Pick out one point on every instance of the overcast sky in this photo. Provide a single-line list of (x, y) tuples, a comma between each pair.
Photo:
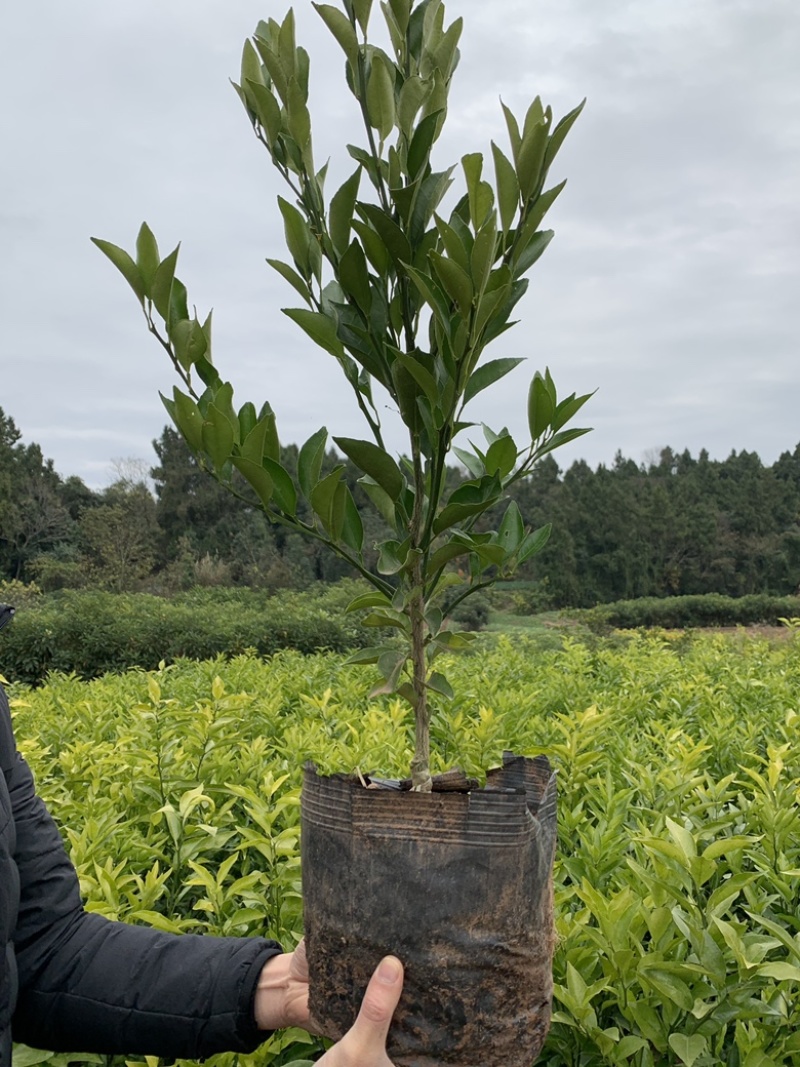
[(672, 285)]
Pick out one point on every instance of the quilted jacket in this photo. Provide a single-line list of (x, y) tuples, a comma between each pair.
[(73, 981)]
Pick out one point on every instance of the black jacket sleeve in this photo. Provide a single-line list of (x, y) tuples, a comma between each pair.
[(91, 985)]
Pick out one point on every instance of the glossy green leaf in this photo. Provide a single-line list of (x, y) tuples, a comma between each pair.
[(298, 237), (361, 9), (419, 149), (292, 277), (526, 256), (508, 198), (380, 97), (501, 457), (352, 528), (439, 684), (341, 211), (534, 542), (284, 492), (257, 478), (514, 136), (147, 258), (319, 327), (354, 277), (125, 265), (328, 500), (488, 374), (162, 283), (562, 128), (341, 28), (540, 407), (309, 461), (373, 461), (218, 437), (188, 419)]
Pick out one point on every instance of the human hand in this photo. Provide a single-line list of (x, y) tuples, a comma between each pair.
[(282, 991), (364, 1044)]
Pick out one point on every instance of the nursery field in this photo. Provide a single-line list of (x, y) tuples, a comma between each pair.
[(677, 881)]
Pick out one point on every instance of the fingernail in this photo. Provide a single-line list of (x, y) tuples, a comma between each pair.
[(389, 970)]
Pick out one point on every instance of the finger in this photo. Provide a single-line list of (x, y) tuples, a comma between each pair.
[(299, 968), (380, 1000)]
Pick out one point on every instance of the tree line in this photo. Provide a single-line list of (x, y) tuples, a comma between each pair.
[(675, 525)]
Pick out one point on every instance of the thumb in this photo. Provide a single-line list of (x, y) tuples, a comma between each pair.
[(367, 1037)]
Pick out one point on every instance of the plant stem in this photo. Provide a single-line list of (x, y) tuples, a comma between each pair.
[(421, 763)]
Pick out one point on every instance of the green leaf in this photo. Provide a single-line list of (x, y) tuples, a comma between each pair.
[(390, 664), (421, 375), (389, 232), (563, 437), (447, 553), (530, 158), (292, 277), (162, 283), (540, 407), (534, 542), (562, 128), (298, 237), (342, 29), (568, 408), (481, 194), (373, 461), (501, 456), (781, 971), (369, 655), (380, 97), (439, 684), (352, 528), (511, 533), (189, 342), (412, 96), (524, 257), (433, 293), (147, 259), (354, 277), (267, 110), (218, 437), (456, 512), (125, 265), (457, 283), (188, 419), (257, 477), (688, 1049), (309, 461), (341, 211), (319, 327), (488, 374), (514, 136), (507, 188), (298, 119), (392, 556), (419, 149), (361, 9), (380, 499), (284, 492), (328, 500), (373, 599), (376, 250)]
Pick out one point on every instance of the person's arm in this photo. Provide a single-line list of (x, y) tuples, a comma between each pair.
[(90, 985)]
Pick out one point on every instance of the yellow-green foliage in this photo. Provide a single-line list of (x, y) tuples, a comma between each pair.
[(678, 866)]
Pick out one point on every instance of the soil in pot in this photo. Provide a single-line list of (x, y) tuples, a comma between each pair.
[(457, 883)]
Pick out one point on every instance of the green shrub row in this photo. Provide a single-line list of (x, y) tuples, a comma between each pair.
[(90, 633), (710, 609), (676, 878)]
